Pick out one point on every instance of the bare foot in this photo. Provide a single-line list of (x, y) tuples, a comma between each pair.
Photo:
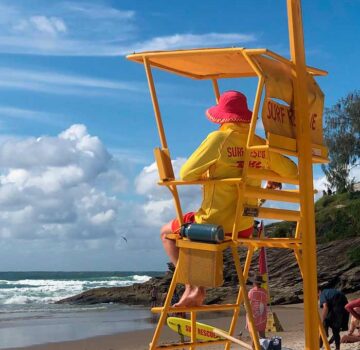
[(194, 298), (197, 296), (187, 291)]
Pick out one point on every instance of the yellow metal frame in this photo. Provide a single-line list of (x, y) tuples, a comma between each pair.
[(303, 243)]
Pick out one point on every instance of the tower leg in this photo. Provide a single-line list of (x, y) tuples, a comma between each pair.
[(321, 326), (164, 311), (243, 291), (240, 294)]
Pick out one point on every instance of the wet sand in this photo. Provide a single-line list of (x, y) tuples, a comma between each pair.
[(291, 318)]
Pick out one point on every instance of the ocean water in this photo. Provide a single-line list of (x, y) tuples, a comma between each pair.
[(29, 316)]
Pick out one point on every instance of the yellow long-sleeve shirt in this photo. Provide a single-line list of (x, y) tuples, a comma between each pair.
[(221, 155)]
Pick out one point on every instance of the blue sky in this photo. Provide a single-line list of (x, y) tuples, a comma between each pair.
[(77, 127)]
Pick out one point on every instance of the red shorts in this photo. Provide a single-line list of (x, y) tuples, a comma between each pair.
[(189, 218)]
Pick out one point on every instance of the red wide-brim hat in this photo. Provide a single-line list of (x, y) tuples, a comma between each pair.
[(232, 108)]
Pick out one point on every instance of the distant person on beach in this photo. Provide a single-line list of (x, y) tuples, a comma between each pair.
[(153, 296), (354, 331), (258, 298), (221, 155), (333, 314)]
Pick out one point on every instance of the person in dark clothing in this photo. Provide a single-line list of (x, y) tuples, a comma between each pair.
[(334, 314), (153, 296)]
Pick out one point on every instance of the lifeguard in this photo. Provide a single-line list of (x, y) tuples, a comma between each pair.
[(219, 157)]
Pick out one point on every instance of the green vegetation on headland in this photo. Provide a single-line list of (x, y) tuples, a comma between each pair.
[(337, 217), (342, 137), (354, 255)]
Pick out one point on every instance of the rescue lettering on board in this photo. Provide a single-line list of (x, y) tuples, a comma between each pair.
[(279, 119), (203, 332)]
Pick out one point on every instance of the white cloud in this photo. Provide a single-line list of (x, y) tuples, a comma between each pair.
[(32, 115), (355, 173), (193, 40), (58, 28), (74, 151), (90, 29), (103, 217), (50, 188), (49, 25), (97, 11), (52, 26), (158, 212), (321, 184), (159, 207), (134, 156), (60, 83)]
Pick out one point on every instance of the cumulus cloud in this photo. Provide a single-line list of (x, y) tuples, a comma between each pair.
[(159, 207), (49, 187)]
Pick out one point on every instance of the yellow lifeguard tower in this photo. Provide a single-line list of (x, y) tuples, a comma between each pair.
[(293, 127)]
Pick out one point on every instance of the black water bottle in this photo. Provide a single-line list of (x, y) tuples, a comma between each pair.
[(203, 232)]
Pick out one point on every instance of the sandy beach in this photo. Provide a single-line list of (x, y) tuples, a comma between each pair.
[(291, 318)]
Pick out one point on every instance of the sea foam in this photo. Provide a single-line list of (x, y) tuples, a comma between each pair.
[(46, 291)]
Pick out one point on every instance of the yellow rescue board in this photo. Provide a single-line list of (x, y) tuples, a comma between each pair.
[(182, 326)]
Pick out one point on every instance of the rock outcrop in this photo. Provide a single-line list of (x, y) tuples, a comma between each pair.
[(334, 270)]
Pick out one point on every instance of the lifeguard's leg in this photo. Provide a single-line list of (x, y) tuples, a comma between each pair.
[(192, 296), (173, 253), (169, 245)]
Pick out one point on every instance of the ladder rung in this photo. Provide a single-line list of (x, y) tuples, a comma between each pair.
[(289, 243), (264, 174), (272, 213), (234, 180), (275, 195), (203, 308)]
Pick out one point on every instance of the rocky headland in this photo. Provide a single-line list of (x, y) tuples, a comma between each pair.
[(336, 269)]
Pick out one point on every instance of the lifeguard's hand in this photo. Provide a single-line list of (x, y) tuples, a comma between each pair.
[(272, 185)]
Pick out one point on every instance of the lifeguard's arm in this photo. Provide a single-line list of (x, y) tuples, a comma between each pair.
[(350, 307), (206, 155), (282, 165)]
